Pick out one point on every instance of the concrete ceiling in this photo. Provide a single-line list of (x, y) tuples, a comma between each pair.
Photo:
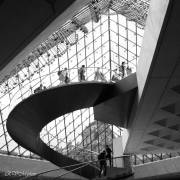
[(155, 125), (26, 23), (21, 21)]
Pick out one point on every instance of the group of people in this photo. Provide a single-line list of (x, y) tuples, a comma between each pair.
[(121, 72), (104, 157), (98, 76), (63, 76)]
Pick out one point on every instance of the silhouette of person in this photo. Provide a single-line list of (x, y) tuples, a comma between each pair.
[(108, 155), (81, 73), (66, 77), (102, 163), (63, 76), (40, 88), (99, 75), (128, 70), (115, 76), (122, 69)]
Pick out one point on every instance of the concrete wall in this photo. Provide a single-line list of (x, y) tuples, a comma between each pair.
[(167, 166), (153, 27), (30, 166), (117, 152), (149, 89)]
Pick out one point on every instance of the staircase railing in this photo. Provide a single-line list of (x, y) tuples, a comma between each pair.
[(80, 165), (118, 162), (73, 78)]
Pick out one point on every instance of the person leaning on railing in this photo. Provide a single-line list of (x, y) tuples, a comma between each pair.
[(99, 75), (128, 70), (115, 76)]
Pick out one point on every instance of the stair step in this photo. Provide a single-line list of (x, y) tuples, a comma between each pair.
[(114, 173)]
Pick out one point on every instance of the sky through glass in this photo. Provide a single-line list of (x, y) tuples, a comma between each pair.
[(105, 41)]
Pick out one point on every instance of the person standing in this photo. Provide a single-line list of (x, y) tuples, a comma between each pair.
[(97, 75), (81, 73), (122, 69), (102, 163), (108, 155), (61, 77), (66, 77)]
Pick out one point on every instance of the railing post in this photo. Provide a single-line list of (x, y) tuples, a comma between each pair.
[(128, 163)]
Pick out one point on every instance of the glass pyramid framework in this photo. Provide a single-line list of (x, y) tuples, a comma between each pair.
[(98, 36)]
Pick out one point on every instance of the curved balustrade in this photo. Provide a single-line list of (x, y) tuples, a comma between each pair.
[(107, 76)]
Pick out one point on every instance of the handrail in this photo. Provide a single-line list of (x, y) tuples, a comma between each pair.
[(56, 170), (72, 171), (83, 164)]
